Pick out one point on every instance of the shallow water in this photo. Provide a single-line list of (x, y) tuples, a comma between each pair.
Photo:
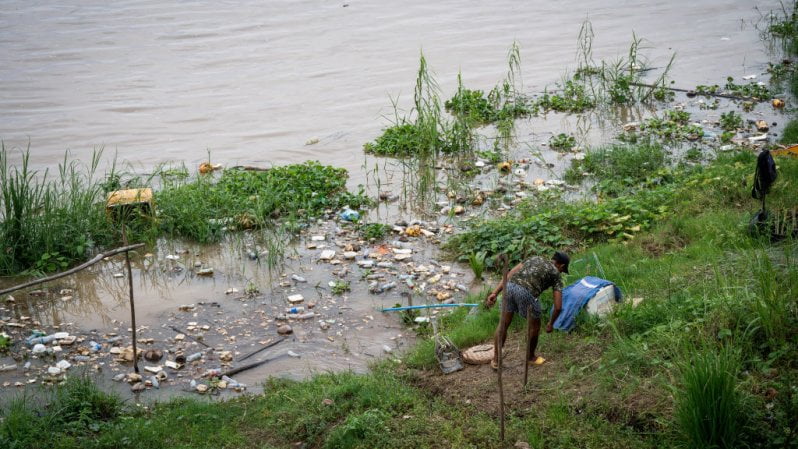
[(251, 82)]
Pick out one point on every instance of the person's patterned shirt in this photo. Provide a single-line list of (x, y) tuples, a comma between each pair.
[(536, 275)]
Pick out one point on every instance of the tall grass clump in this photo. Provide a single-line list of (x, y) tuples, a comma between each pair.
[(73, 410), (709, 406), (48, 222)]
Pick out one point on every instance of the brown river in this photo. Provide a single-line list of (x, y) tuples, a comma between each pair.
[(253, 83)]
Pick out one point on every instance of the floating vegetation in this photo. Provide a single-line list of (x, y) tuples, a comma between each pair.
[(673, 127), (203, 209), (374, 231), (562, 142), (572, 98), (731, 121), (752, 89)]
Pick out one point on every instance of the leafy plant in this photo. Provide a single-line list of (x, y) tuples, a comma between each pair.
[(731, 121), (673, 127), (340, 287), (572, 98), (373, 230), (562, 142), (477, 263)]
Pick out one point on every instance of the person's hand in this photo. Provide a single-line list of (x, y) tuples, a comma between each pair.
[(491, 299), (549, 328)]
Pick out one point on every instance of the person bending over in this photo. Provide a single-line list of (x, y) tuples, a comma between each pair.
[(525, 282)]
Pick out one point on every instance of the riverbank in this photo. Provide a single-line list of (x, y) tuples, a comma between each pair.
[(704, 299), (664, 211)]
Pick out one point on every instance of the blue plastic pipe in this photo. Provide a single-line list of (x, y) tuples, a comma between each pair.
[(429, 306)]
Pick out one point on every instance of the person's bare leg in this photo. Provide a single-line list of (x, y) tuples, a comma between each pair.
[(501, 331), (534, 332)]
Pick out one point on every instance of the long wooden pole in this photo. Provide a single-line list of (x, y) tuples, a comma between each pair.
[(500, 345), (528, 342), (132, 303), (84, 265)]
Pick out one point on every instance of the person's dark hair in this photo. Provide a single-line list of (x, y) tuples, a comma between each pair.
[(562, 258)]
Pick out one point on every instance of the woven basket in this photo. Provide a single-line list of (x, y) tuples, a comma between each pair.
[(478, 355)]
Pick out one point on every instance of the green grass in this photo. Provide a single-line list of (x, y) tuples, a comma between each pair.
[(619, 168), (653, 375), (46, 221), (709, 409), (789, 135)]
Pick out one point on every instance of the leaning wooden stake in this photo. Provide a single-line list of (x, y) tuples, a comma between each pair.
[(82, 266), (500, 347), (528, 342), (132, 304)]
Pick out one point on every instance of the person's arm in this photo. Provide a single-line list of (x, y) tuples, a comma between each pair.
[(557, 310), (491, 299)]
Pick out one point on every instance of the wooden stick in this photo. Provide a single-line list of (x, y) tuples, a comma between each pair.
[(528, 342), (87, 264), (235, 371), (132, 303), (266, 346), (189, 336), (500, 344)]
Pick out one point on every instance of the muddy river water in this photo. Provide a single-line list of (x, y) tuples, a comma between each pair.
[(252, 83)]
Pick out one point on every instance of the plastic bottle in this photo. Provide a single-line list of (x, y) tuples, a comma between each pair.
[(195, 356), (40, 340), (349, 214), (94, 346), (213, 372), (294, 310)]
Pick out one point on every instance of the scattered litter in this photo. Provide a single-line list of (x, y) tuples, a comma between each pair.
[(327, 254)]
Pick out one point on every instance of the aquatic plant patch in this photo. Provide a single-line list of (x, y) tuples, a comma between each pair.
[(204, 208)]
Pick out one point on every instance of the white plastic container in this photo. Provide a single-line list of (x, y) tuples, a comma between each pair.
[(602, 302)]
